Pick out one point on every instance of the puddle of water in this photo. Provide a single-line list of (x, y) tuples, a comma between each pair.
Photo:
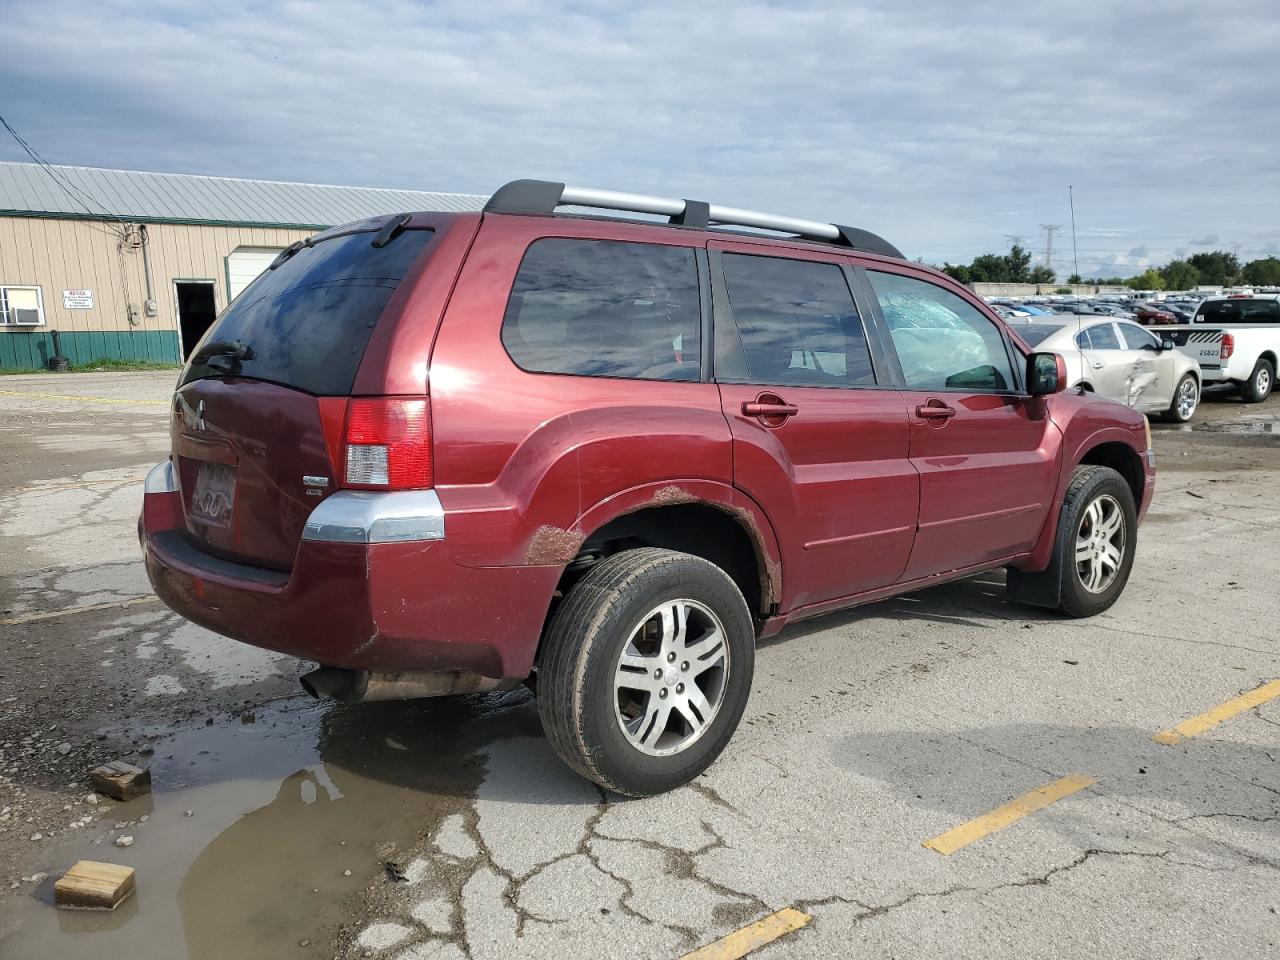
[(1248, 426), (280, 809)]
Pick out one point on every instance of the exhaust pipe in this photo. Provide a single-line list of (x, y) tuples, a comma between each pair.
[(329, 682), (359, 686)]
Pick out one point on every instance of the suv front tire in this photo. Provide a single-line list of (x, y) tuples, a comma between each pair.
[(645, 670)]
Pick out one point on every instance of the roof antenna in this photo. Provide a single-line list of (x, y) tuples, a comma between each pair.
[(1075, 262)]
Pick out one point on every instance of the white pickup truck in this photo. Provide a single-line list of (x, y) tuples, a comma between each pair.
[(1246, 333)]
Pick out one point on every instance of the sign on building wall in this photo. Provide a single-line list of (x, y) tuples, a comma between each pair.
[(77, 299)]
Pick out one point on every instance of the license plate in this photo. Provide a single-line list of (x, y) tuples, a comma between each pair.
[(215, 494)]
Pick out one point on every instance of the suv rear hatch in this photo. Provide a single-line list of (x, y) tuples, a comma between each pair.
[(259, 411)]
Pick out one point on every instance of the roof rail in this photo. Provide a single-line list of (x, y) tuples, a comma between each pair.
[(543, 196)]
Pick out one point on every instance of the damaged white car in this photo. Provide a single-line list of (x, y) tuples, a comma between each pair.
[(1121, 361)]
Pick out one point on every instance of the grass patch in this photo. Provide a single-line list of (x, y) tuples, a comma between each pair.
[(101, 366)]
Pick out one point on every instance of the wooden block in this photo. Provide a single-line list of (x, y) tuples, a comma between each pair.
[(94, 885), (121, 780)]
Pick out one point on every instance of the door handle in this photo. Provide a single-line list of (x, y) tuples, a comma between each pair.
[(935, 411), (1097, 365), (756, 408)]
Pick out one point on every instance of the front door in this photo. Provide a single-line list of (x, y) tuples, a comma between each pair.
[(1152, 368), (986, 458), (820, 437)]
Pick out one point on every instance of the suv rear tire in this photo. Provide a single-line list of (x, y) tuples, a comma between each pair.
[(645, 670), (1260, 383)]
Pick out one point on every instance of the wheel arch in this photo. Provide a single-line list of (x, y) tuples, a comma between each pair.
[(1120, 457), (704, 518)]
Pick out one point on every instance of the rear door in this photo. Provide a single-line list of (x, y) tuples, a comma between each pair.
[(986, 454), (819, 432), (261, 403)]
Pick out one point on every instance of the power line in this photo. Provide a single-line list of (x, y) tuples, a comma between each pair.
[(82, 199)]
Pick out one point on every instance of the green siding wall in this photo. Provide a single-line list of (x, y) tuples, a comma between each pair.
[(34, 348)]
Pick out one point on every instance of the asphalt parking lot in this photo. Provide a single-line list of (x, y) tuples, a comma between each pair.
[(869, 734)]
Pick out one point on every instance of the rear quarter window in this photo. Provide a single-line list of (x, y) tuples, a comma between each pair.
[(309, 320), (605, 308)]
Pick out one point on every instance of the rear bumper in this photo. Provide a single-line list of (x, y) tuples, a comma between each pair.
[(373, 587)]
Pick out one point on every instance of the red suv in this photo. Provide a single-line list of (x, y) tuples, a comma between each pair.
[(441, 453)]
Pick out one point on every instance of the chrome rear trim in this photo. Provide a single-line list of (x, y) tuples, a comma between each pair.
[(359, 516), (160, 479)]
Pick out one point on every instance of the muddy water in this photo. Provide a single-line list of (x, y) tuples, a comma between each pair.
[(280, 808), (1248, 425)]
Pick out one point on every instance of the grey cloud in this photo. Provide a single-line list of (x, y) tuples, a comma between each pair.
[(944, 128)]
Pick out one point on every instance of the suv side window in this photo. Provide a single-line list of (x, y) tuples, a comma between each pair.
[(796, 323), (1100, 337), (605, 308), (943, 343)]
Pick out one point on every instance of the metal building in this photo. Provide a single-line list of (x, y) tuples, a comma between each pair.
[(131, 265)]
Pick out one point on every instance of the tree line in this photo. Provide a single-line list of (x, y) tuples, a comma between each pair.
[(1218, 268)]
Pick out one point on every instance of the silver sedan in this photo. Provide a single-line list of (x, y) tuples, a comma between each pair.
[(1119, 360)]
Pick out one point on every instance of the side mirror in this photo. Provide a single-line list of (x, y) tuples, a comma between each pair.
[(1167, 344), (1046, 373)]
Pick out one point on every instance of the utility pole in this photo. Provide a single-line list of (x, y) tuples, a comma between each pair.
[(1049, 229), (1014, 238)]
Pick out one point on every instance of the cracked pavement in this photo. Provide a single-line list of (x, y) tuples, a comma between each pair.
[(448, 829)]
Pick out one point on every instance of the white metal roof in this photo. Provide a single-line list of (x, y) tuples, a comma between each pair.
[(26, 189)]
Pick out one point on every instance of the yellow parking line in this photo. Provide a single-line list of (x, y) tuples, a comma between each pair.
[(1011, 812), (1211, 718), (51, 614), (67, 396), (753, 937)]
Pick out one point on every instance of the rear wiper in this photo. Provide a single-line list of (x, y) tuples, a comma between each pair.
[(290, 250), (232, 350), (390, 230)]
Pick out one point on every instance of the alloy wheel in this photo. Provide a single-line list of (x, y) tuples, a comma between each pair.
[(1187, 399), (670, 679), (1100, 544)]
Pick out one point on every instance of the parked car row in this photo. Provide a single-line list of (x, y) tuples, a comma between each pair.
[(1231, 339)]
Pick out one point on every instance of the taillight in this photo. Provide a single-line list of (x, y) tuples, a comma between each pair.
[(386, 444), (1228, 347)]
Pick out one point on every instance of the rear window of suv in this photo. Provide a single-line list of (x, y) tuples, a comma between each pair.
[(605, 308), (1239, 311), (309, 320)]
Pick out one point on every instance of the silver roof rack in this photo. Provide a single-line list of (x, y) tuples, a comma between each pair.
[(543, 196)]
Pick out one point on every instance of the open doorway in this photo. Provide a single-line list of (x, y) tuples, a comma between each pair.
[(196, 311)]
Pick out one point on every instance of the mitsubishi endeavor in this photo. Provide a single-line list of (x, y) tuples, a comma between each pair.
[(444, 453)]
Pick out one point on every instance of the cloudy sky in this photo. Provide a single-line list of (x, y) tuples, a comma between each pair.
[(946, 126)]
